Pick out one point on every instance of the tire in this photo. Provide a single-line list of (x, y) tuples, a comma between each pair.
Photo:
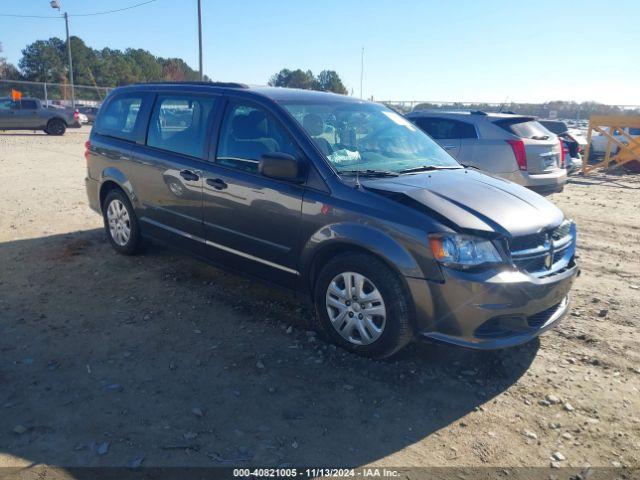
[(121, 224), (381, 336), (56, 126)]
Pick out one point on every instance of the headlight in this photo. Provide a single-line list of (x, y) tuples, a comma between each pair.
[(462, 251)]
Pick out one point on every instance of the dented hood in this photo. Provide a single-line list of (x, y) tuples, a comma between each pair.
[(474, 201)]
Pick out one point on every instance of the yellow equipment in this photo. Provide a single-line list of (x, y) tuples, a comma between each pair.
[(613, 127)]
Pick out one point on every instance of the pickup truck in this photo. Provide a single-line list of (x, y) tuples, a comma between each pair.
[(30, 114)]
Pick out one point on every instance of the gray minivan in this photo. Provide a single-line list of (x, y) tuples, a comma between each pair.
[(337, 198)]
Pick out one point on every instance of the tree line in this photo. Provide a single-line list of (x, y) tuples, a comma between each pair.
[(326, 81), (46, 61)]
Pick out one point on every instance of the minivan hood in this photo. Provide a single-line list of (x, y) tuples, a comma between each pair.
[(474, 201)]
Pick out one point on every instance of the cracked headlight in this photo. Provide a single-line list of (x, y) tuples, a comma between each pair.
[(463, 251)]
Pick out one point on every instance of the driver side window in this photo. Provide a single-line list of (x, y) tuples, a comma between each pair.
[(247, 133), (6, 105)]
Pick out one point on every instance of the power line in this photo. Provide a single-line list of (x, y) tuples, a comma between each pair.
[(79, 14), (111, 11)]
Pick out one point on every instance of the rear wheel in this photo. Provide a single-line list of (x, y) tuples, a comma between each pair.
[(55, 126), (121, 224), (362, 306)]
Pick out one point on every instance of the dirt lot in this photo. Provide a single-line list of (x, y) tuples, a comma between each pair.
[(163, 360)]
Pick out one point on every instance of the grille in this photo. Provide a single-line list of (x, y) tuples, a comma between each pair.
[(561, 231), (526, 242), (538, 319), (544, 253), (510, 325), (501, 326)]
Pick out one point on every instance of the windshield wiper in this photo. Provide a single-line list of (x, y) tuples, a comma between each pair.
[(371, 173), (428, 168)]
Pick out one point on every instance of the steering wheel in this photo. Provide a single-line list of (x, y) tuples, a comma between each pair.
[(384, 139)]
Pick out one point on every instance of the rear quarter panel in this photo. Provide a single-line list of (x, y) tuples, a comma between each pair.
[(109, 160), (491, 155)]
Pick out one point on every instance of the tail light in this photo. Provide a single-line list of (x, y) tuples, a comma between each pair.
[(87, 150), (76, 114), (519, 152), (563, 153)]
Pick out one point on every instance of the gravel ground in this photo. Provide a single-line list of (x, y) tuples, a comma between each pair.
[(162, 360)]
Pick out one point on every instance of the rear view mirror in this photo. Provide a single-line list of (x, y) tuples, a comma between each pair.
[(279, 165)]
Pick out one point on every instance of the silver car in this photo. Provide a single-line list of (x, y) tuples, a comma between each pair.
[(514, 147)]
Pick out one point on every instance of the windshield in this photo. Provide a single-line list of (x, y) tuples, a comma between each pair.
[(368, 137)]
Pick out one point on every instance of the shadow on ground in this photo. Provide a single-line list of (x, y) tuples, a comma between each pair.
[(161, 359)]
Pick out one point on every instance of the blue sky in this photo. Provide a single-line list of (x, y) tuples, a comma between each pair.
[(485, 50)]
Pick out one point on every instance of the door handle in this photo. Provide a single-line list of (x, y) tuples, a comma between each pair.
[(216, 183), (448, 147), (189, 176)]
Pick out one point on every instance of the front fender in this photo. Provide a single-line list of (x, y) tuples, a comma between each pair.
[(360, 236)]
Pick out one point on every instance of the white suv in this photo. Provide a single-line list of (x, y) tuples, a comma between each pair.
[(513, 147), (599, 142)]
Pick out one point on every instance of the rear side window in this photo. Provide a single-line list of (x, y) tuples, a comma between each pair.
[(179, 124), (28, 105), (525, 128), (119, 117), (247, 133), (440, 128)]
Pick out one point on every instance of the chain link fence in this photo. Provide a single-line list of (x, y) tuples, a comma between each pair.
[(566, 110), (55, 93)]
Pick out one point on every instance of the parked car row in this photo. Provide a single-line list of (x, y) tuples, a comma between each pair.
[(89, 112), (348, 202), (571, 144)]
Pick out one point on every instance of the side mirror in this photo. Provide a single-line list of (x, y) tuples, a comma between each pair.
[(280, 165)]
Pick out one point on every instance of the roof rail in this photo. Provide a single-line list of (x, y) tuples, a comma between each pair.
[(208, 84), (226, 84), (477, 112)]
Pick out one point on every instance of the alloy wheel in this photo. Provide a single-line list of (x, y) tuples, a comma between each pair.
[(56, 127)]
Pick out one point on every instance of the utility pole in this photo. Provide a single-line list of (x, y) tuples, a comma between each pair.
[(56, 5), (200, 38), (361, 71), (73, 93)]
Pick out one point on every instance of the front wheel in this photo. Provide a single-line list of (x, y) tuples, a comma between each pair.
[(121, 224), (363, 306)]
